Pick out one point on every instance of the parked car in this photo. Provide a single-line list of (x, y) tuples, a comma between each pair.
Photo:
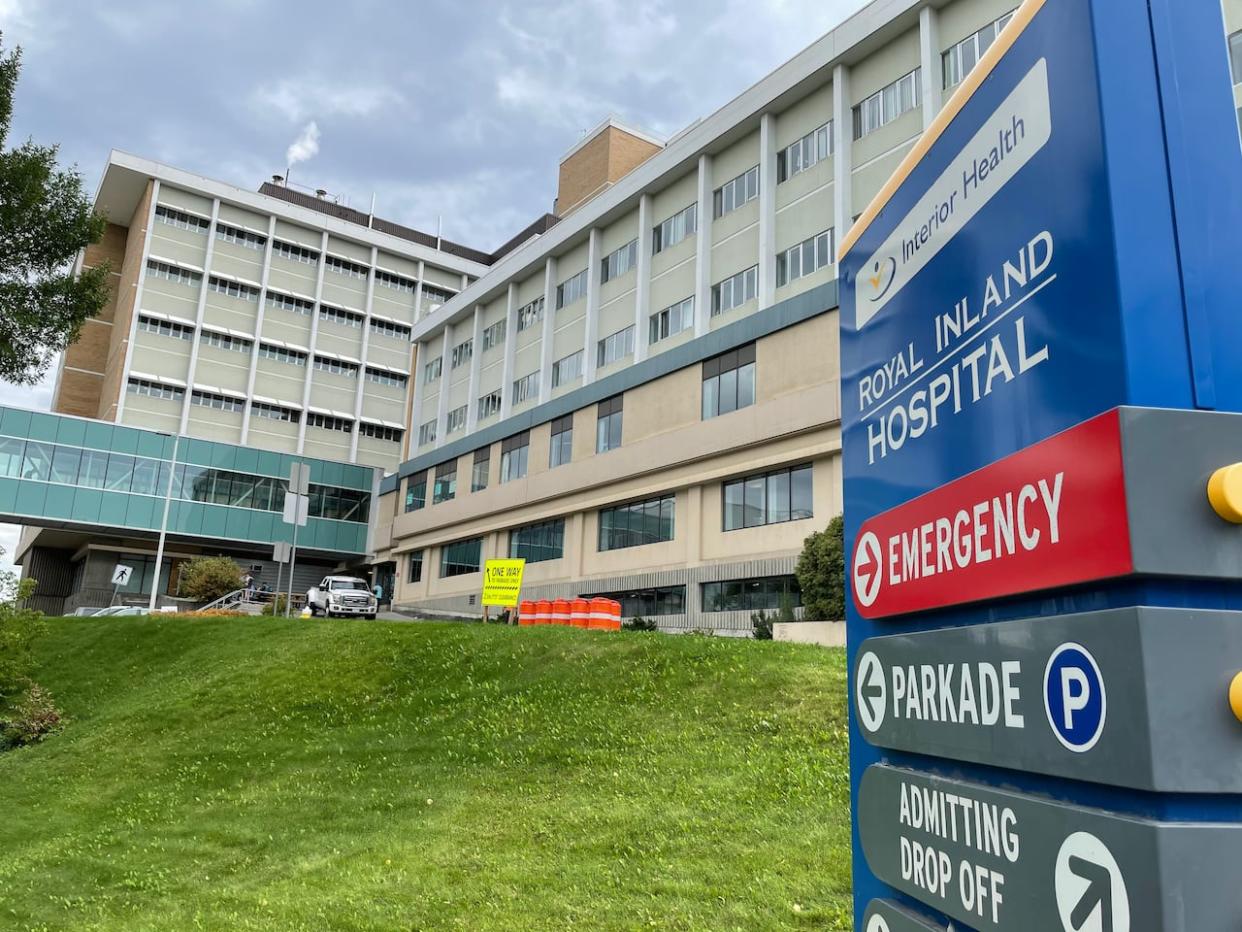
[(342, 595), (121, 610)]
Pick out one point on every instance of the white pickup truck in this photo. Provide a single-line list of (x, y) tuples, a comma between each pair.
[(342, 595)]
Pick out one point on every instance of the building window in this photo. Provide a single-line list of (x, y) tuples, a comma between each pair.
[(225, 342), (526, 388), (1235, 56), (770, 498), (386, 377), (416, 491), (240, 237), (571, 290), (456, 420), (962, 57), (431, 371), (647, 603), (216, 401), (566, 370), (173, 273), (619, 261), (638, 523), (294, 253), (461, 558), (616, 346), (751, 595), (494, 335), (888, 103), (415, 571), (672, 320), (289, 303), (346, 267), (165, 328), (561, 450), (282, 354), (733, 194), (462, 353), (735, 290), (390, 328), (806, 257), (380, 432), (489, 405), (181, 219), (435, 296), (797, 157), (327, 422), (340, 316), (481, 469), (233, 289), (396, 282), (514, 453), (530, 314), (729, 381), (608, 424), (274, 412), (670, 232), (347, 370), (444, 488), (155, 389), (427, 433), (536, 543)]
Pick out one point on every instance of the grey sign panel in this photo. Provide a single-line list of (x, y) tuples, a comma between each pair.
[(996, 859), (1134, 697), (887, 916)]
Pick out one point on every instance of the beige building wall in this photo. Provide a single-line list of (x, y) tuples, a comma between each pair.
[(604, 158)]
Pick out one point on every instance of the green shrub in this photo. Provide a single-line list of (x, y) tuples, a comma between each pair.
[(762, 622), (26, 711), (209, 578), (30, 719), (276, 606), (639, 623), (821, 573)]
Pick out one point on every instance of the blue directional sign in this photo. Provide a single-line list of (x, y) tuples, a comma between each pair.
[(1074, 697)]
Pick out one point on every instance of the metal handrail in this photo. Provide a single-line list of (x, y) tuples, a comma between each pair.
[(226, 601)]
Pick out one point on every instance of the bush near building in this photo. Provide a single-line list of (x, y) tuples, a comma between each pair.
[(209, 578), (821, 573), (27, 712)]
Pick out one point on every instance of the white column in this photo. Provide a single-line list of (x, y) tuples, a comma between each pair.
[(767, 210), (258, 328), (476, 356), (199, 313), (416, 406), (842, 161), (446, 380), (418, 292), (314, 336), (703, 249), (362, 370), (506, 378), (642, 280), (591, 330), (929, 51), (133, 317), (549, 317)]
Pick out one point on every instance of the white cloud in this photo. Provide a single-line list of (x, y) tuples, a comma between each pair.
[(306, 146), (308, 96)]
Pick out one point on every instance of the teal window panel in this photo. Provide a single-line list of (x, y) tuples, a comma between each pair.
[(15, 423), (58, 502), (199, 453), (237, 523), (43, 427), (213, 521), (112, 508), (246, 460), (334, 474), (188, 519), (270, 464), (124, 440), (155, 445), (354, 540), (98, 436), (263, 526), (222, 457), (86, 504), (71, 432), (142, 513), (8, 495), (33, 496)]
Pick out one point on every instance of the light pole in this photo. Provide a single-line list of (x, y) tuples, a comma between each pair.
[(159, 550)]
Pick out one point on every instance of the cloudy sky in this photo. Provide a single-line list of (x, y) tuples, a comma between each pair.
[(457, 109)]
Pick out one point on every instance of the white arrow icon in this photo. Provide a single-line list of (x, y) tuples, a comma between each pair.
[(1091, 893), (877, 924), (870, 694), (867, 580)]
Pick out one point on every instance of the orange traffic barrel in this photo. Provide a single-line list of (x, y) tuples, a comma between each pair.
[(600, 615), (580, 613), (614, 613), (543, 612), (560, 611), (526, 613)]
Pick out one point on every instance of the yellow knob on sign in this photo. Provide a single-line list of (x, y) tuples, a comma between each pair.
[(1225, 492), (1235, 696)]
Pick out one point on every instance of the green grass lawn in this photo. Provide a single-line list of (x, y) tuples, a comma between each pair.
[(257, 774)]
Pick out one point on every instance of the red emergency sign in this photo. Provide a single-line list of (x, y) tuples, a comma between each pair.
[(1051, 515)]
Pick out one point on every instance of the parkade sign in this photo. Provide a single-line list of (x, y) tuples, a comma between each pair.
[(1034, 394)]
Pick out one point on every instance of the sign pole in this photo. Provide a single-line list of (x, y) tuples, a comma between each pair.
[(159, 549), (296, 508)]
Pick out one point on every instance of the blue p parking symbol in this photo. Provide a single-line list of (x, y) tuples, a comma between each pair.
[(1074, 697)]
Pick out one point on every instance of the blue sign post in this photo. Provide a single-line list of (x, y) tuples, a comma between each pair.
[(1059, 256)]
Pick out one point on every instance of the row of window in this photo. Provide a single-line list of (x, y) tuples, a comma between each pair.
[(888, 103), (619, 261), (564, 370), (963, 56), (804, 258)]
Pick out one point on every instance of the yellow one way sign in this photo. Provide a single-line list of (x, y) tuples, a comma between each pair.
[(502, 582)]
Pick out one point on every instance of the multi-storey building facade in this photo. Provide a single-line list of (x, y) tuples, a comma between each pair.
[(645, 400)]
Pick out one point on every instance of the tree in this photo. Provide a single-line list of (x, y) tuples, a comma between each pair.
[(46, 218), (27, 712), (208, 578), (821, 573)]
